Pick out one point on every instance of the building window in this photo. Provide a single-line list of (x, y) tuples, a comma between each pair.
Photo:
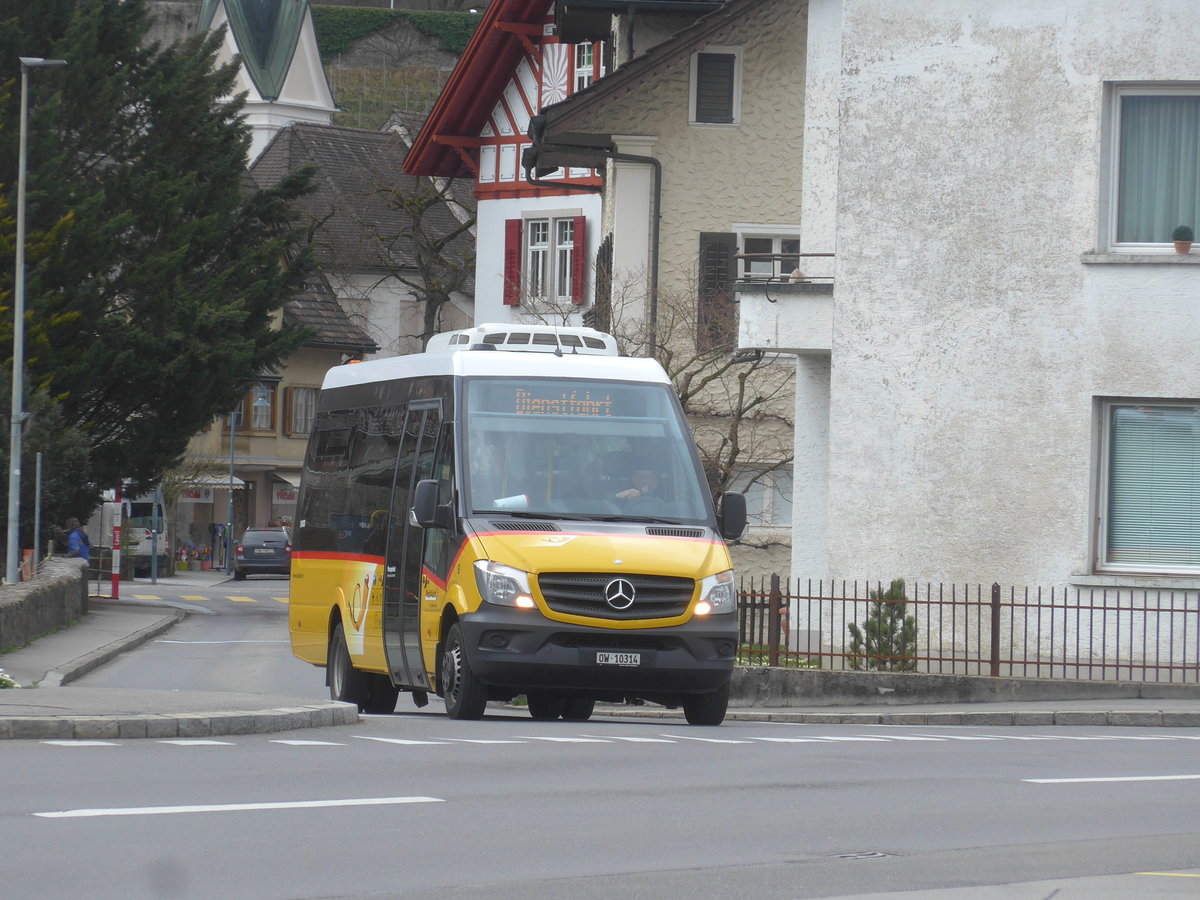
[(300, 407), (1150, 491), (768, 495), (256, 410), (585, 65), (716, 311), (544, 259), (537, 256), (764, 258), (716, 86), (1156, 179)]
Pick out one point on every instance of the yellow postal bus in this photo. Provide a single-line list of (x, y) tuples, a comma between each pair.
[(517, 510)]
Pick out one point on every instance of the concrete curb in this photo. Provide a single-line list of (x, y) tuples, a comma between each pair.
[(77, 668), (184, 725), (1131, 718)]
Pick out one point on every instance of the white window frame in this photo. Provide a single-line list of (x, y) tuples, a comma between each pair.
[(552, 256), (1112, 160), (776, 514), (777, 234), (736, 53), (1103, 481), (585, 65)]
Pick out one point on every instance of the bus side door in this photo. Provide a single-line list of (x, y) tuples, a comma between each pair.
[(402, 562)]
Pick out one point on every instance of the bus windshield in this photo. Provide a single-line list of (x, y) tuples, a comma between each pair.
[(573, 448)]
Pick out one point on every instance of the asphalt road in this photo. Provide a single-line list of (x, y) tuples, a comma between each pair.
[(418, 805)]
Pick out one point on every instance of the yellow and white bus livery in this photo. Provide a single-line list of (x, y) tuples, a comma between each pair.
[(516, 511)]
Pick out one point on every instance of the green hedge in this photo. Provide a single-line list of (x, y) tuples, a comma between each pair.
[(338, 27)]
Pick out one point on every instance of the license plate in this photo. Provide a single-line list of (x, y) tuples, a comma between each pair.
[(618, 659), (264, 551)]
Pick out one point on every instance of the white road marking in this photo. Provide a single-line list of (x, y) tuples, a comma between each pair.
[(963, 737), (826, 737), (231, 807), (635, 740), (1113, 779), (565, 740), (308, 743), (704, 740), (82, 743), (793, 740), (383, 740), (912, 737), (195, 742), (483, 741)]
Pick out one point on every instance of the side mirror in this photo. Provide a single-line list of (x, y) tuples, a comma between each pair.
[(424, 508), (731, 516)]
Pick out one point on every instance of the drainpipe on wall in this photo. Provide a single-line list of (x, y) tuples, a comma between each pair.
[(583, 153)]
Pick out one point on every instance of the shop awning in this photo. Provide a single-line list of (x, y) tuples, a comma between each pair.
[(216, 481), (292, 478)]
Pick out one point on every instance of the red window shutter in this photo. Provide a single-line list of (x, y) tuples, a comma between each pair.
[(579, 262), (512, 262)]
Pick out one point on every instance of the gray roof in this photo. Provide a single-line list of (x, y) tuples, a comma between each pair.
[(317, 308), (358, 228)]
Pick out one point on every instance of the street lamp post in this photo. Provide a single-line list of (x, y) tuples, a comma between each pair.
[(17, 417), (233, 421)]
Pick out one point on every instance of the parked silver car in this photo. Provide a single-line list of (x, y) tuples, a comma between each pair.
[(263, 551)]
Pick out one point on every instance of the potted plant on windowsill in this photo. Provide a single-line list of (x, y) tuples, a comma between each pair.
[(1182, 236)]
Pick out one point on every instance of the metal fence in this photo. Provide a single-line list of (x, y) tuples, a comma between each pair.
[(1110, 634)]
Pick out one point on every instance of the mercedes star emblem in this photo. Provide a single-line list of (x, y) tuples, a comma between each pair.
[(619, 593)]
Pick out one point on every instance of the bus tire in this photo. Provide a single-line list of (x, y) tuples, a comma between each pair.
[(578, 709), (707, 709), (465, 695), (346, 683), (381, 695), (545, 706)]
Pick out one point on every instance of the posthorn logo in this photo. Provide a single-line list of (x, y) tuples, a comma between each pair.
[(619, 593)]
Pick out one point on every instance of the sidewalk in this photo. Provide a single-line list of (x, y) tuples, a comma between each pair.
[(52, 710), (44, 709)]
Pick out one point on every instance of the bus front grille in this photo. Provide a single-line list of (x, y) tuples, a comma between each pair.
[(584, 594)]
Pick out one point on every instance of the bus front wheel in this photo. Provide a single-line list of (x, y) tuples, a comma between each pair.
[(465, 695), (707, 709), (346, 683)]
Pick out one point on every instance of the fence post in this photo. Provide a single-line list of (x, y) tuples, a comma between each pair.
[(996, 629), (773, 622)]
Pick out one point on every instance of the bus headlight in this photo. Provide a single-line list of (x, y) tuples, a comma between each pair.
[(717, 594), (503, 585)]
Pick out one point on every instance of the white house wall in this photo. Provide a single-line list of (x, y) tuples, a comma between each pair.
[(489, 252), (972, 330)]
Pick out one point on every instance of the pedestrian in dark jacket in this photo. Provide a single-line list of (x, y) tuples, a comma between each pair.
[(78, 544)]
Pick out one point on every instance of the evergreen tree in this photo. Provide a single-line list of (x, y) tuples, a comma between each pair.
[(887, 640), (154, 277)]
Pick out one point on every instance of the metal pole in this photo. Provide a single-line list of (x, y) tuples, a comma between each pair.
[(37, 513), (17, 412), (155, 526), (233, 417)]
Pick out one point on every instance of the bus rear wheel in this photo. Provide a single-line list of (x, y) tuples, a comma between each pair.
[(578, 709), (346, 683), (465, 695), (381, 694), (707, 709), (544, 707)]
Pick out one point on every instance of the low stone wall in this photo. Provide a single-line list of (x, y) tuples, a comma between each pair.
[(762, 686), (56, 596)]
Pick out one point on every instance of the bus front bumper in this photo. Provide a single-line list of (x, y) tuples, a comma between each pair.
[(515, 650)]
